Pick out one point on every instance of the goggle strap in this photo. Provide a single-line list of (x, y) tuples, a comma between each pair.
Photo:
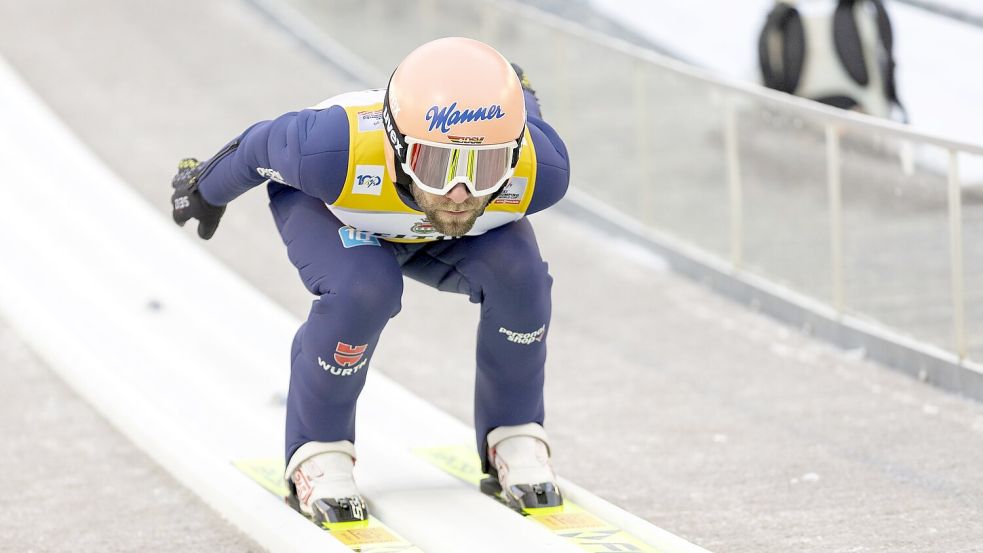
[(518, 146), (396, 138)]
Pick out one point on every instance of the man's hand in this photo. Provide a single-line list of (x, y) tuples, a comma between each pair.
[(187, 203)]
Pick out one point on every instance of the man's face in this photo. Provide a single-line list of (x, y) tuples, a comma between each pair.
[(453, 214)]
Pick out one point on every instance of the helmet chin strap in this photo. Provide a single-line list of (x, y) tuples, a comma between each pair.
[(494, 195), (404, 184), (402, 178)]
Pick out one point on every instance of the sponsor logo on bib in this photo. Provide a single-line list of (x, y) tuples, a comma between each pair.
[(368, 180)]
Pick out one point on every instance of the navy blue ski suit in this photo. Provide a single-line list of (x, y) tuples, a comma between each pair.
[(357, 279)]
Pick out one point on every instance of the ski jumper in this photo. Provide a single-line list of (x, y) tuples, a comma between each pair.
[(353, 234)]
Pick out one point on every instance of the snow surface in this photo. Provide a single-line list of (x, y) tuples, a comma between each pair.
[(937, 77)]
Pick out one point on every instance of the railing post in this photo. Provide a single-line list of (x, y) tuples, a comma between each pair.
[(834, 186), (907, 155), (643, 145), (956, 254), (734, 184)]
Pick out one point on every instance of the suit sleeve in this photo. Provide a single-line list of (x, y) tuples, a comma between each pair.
[(307, 150), (552, 165)]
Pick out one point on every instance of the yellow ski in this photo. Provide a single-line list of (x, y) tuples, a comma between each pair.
[(369, 536), (568, 521)]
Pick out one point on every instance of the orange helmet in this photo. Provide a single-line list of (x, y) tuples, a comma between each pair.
[(454, 112)]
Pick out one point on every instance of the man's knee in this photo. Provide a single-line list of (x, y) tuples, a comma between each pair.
[(372, 294), (516, 269), (511, 259), (526, 274)]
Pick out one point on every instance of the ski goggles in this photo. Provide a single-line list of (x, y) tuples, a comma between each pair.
[(438, 168)]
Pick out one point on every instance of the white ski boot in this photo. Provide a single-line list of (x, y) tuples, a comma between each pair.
[(319, 476), (519, 464)]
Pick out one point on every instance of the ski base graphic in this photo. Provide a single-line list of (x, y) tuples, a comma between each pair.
[(568, 521), (369, 536)]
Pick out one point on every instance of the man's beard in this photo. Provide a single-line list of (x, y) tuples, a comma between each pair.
[(433, 205)]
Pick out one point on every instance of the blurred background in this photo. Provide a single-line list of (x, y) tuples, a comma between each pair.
[(746, 280)]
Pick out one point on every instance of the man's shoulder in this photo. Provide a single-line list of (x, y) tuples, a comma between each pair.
[(552, 166), (352, 99), (325, 126)]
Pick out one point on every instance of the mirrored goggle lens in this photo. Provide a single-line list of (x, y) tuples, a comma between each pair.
[(437, 166)]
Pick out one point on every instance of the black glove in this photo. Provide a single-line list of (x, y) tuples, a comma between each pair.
[(187, 202)]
